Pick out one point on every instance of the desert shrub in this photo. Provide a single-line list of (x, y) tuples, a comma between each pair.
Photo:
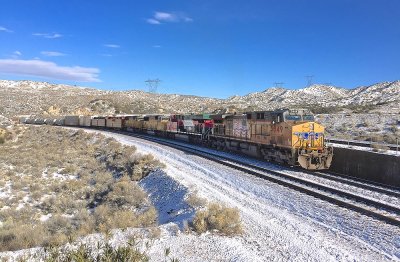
[(195, 201), (48, 204), (124, 193), (69, 169), (124, 219), (154, 232), (218, 217), (59, 229), (102, 253), (17, 235), (2, 182), (17, 185), (147, 218)]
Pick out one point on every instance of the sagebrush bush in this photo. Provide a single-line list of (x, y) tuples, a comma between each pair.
[(195, 201), (82, 183), (124, 194), (102, 253), (218, 217)]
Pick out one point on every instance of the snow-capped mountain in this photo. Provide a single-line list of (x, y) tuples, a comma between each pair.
[(30, 97)]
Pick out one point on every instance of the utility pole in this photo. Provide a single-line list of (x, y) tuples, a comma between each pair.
[(278, 84), (309, 80), (152, 84)]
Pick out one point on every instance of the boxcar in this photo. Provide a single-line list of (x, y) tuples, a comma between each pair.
[(85, 120), (71, 120), (98, 122)]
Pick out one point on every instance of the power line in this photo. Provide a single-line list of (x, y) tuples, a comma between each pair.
[(152, 84), (278, 84), (309, 80)]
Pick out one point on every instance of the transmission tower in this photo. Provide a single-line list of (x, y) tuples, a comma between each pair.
[(278, 84), (152, 84), (309, 80)]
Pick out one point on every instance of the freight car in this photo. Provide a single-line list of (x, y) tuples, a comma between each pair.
[(98, 121), (285, 136)]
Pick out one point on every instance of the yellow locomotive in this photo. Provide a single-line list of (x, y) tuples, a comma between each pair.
[(286, 136)]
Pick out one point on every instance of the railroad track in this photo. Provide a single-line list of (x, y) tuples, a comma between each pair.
[(388, 213), (365, 144), (366, 184)]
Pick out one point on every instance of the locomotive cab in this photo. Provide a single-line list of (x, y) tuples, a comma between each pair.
[(297, 129), (308, 141)]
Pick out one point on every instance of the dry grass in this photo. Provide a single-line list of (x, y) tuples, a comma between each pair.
[(224, 219), (85, 182)]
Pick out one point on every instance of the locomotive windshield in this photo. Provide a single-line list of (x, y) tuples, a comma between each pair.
[(308, 117), (293, 117)]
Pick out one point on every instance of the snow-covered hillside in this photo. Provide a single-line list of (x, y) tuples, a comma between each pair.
[(30, 97), (384, 95)]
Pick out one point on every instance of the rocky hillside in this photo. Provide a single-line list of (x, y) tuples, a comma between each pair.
[(42, 98), (384, 97)]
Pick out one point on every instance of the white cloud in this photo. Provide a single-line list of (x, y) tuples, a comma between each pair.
[(156, 46), (3, 29), (52, 53), (48, 69), (16, 54), (160, 17), (47, 35), (112, 45), (167, 17), (153, 21), (106, 55)]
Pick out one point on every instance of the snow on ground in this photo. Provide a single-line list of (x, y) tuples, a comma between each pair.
[(280, 224), (168, 197), (368, 149), (5, 191)]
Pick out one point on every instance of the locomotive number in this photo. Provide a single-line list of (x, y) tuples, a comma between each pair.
[(277, 129)]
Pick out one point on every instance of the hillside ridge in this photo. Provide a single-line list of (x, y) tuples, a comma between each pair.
[(44, 98)]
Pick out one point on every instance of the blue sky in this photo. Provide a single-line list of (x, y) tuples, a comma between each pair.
[(209, 48)]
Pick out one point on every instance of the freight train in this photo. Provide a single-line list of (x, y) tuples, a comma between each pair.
[(289, 136)]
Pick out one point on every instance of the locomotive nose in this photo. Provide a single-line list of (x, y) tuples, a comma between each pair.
[(315, 160), (312, 154)]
